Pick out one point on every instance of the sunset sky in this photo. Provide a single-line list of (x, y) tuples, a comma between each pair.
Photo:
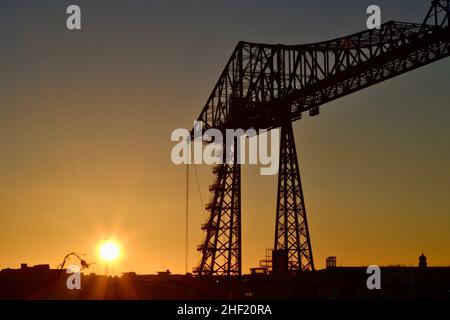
[(86, 118)]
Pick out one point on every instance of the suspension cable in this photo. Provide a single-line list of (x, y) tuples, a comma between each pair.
[(202, 204), (187, 211), (187, 221)]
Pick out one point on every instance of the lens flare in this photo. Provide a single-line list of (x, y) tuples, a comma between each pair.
[(109, 251)]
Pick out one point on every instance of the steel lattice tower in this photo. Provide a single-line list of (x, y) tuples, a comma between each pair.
[(292, 249), (221, 249), (265, 86)]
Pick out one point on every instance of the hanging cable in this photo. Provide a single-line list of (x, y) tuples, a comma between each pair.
[(202, 204), (187, 220)]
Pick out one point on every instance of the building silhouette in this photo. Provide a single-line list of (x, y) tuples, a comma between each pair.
[(333, 282), (422, 261)]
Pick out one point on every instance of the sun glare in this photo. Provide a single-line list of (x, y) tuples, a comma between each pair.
[(109, 251)]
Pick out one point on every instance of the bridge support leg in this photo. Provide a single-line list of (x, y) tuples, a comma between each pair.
[(292, 250), (221, 249)]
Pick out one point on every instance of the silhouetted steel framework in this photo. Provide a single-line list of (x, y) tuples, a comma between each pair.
[(222, 246), (267, 86), (291, 227)]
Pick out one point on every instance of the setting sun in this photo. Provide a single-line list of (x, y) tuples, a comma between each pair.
[(109, 250)]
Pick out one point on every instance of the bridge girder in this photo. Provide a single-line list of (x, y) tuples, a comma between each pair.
[(260, 79)]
